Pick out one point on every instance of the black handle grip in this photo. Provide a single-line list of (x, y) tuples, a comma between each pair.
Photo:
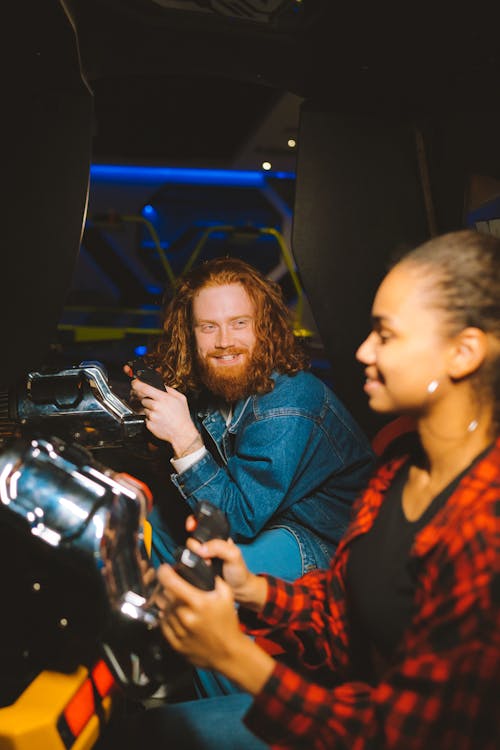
[(211, 523), (146, 374), (194, 569)]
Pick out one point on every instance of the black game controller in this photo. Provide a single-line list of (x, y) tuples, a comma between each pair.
[(211, 523), (146, 374)]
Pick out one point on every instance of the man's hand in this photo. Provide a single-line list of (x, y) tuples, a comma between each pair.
[(168, 418)]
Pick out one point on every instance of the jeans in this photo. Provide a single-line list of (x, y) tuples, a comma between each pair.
[(211, 724), (275, 551)]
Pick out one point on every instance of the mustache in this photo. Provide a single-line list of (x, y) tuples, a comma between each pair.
[(225, 352)]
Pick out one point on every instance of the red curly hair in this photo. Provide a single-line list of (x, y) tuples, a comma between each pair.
[(174, 354)]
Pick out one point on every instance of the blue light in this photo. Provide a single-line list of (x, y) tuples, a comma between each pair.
[(160, 175), (149, 244), (485, 212), (152, 289), (148, 210), (141, 350)]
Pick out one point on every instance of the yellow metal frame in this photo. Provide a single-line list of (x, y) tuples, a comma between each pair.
[(31, 722)]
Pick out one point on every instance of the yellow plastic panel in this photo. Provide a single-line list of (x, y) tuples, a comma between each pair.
[(31, 722)]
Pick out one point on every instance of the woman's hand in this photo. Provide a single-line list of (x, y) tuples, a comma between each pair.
[(201, 625), (167, 417), (247, 588), (204, 627)]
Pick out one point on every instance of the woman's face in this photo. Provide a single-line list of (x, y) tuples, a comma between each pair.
[(407, 349)]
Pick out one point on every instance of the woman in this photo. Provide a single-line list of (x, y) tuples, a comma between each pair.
[(397, 645)]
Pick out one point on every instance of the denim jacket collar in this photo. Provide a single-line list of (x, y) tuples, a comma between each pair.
[(213, 420), (208, 406)]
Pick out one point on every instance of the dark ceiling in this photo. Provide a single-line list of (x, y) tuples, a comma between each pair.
[(190, 79), (179, 120), (188, 85)]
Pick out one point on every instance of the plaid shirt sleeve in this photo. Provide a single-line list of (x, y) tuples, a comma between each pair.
[(443, 687), (298, 615)]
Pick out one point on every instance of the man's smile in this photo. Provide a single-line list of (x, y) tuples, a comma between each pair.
[(226, 358)]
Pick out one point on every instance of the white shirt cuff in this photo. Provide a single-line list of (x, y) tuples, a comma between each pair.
[(185, 463)]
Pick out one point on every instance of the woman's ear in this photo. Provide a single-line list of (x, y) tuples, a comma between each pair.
[(468, 352)]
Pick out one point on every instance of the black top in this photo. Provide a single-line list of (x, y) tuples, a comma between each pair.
[(380, 579)]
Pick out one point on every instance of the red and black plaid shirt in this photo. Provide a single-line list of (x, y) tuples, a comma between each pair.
[(442, 690)]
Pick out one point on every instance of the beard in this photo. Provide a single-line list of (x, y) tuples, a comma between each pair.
[(231, 383)]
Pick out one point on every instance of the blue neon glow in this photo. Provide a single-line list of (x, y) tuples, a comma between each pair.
[(148, 210), (152, 289), (160, 175), (486, 212), (150, 245), (141, 350)]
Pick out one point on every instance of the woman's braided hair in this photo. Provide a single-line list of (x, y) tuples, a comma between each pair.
[(464, 283)]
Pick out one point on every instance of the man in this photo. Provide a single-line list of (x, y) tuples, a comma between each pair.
[(250, 430)]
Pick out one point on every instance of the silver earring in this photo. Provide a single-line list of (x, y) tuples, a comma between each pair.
[(472, 425), (432, 386)]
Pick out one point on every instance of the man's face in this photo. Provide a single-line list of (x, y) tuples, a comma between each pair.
[(224, 330)]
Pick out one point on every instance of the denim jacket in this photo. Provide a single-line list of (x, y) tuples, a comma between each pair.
[(293, 457)]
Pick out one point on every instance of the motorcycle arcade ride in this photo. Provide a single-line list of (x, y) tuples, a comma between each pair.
[(80, 630)]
